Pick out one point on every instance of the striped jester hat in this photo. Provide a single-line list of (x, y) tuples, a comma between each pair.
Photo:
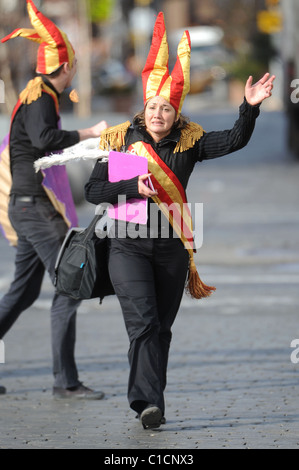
[(55, 48), (156, 78)]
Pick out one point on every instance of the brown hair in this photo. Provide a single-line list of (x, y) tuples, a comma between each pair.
[(54, 74)]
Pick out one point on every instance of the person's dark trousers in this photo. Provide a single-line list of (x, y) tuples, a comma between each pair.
[(149, 277), (41, 230)]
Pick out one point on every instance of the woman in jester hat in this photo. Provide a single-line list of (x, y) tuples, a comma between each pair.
[(149, 272)]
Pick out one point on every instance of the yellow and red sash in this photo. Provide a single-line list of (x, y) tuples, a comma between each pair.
[(5, 186), (171, 197), (172, 201)]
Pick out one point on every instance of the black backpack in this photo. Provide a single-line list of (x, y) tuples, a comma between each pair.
[(81, 269)]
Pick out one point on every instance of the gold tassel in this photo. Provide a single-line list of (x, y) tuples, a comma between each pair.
[(73, 96), (189, 135), (33, 91), (114, 137), (195, 287)]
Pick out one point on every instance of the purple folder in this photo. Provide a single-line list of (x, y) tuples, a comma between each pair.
[(124, 166)]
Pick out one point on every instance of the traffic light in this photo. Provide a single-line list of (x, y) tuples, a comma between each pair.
[(100, 10), (269, 22)]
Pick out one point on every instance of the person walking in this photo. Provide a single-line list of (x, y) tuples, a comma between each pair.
[(40, 205), (149, 271)]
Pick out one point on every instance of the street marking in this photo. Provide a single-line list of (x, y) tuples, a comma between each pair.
[(253, 278), (236, 305), (2, 352)]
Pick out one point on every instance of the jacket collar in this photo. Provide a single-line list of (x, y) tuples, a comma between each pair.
[(49, 84)]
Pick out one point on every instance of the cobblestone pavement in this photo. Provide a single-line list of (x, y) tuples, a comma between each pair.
[(231, 381)]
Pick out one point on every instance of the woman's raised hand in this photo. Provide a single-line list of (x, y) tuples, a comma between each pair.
[(261, 90)]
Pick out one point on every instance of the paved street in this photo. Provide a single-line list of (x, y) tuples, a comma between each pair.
[(231, 382)]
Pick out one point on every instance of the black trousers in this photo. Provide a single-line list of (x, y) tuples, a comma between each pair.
[(149, 277)]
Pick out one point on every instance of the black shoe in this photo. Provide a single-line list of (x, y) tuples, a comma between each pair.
[(79, 392), (163, 419), (151, 417), (2, 390)]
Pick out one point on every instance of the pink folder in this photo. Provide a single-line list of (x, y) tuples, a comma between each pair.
[(123, 166)]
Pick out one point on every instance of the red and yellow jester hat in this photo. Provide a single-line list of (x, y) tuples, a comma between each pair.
[(55, 48), (156, 78)]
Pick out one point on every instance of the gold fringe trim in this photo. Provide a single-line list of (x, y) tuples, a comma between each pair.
[(33, 91), (114, 137), (195, 287), (189, 135)]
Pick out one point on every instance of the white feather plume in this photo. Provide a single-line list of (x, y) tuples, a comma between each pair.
[(85, 150)]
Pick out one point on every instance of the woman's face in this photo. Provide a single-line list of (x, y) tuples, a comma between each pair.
[(159, 117)]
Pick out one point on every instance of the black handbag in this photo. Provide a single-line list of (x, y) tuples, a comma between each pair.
[(81, 269)]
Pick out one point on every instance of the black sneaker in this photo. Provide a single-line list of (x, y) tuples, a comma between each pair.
[(151, 417), (2, 390), (79, 392), (163, 419)]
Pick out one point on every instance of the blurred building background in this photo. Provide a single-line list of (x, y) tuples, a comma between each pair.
[(231, 39)]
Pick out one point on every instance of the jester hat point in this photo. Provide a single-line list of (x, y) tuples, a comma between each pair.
[(55, 48), (156, 78)]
